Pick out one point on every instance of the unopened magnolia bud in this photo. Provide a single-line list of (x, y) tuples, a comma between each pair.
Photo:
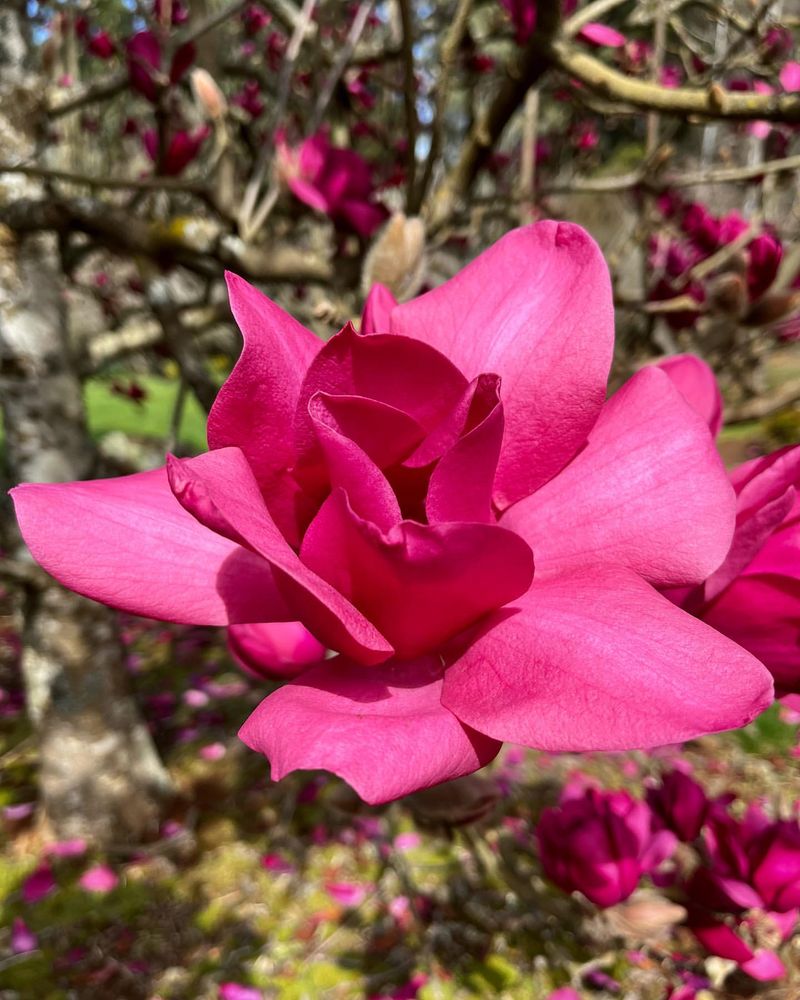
[(397, 257), (207, 94), (727, 293), (772, 307)]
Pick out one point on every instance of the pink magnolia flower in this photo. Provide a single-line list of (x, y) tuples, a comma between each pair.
[(523, 14), (336, 182), (523, 17), (752, 872), (600, 844), (392, 490), (182, 148), (680, 804), (101, 44), (277, 651), (249, 98), (754, 594), (144, 57), (38, 884), (565, 993)]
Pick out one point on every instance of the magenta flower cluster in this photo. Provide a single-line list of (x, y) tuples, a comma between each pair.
[(739, 883)]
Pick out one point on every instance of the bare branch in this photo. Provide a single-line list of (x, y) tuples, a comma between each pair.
[(409, 98), (711, 102), (343, 60)]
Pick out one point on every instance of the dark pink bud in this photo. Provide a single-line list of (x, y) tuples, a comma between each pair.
[(680, 804)]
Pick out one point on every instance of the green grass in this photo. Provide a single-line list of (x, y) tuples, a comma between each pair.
[(106, 411)]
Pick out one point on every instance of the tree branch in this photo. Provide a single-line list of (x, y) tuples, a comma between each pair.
[(711, 102)]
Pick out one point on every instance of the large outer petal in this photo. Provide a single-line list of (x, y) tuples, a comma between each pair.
[(420, 584), (536, 309), (384, 730), (696, 382), (219, 489), (127, 542), (649, 492), (255, 408), (600, 661)]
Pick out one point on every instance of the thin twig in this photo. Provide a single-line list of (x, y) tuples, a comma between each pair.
[(248, 212), (409, 98), (111, 183), (329, 86), (448, 53)]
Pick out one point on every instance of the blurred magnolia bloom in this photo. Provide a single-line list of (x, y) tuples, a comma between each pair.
[(601, 844)]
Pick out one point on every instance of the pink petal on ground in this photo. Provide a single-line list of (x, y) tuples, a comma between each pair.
[(38, 885), (99, 879), (346, 893), (22, 937), (219, 489), (127, 542), (649, 491), (235, 991), (597, 660), (382, 730), (74, 848), (419, 584), (536, 310), (696, 382)]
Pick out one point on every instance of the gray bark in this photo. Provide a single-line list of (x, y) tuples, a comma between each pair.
[(100, 775)]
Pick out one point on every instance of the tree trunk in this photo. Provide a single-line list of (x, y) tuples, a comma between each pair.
[(100, 775)]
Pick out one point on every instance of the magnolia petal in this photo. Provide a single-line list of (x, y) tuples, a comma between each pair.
[(275, 650), (762, 614), (219, 489), (128, 543), (696, 382), (597, 660), (535, 309), (377, 310), (460, 486), (384, 731), (648, 491), (419, 584), (255, 408)]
